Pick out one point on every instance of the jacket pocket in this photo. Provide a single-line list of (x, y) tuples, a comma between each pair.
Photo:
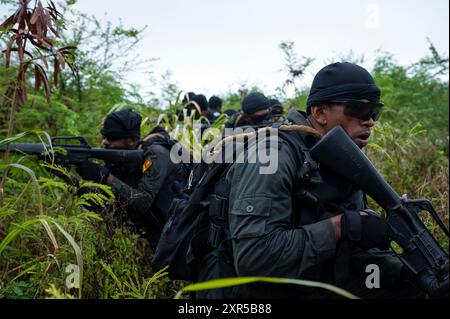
[(248, 217)]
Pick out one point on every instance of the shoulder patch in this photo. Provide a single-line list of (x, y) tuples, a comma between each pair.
[(147, 164)]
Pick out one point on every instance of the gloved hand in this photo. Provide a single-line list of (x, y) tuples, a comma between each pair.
[(427, 281), (366, 231), (91, 171)]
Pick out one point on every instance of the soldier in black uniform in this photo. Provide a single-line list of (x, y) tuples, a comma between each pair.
[(255, 111), (296, 225), (277, 110), (214, 108), (199, 104), (144, 194)]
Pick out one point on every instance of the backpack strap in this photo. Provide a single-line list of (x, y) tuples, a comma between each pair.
[(307, 170), (218, 210)]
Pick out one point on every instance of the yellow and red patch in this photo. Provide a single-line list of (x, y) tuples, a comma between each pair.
[(147, 164)]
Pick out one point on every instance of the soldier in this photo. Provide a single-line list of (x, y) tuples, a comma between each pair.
[(144, 194), (277, 110), (199, 104), (214, 108), (285, 225), (255, 111)]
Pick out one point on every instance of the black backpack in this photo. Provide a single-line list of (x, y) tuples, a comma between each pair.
[(198, 223)]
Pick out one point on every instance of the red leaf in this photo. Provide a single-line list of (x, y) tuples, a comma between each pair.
[(20, 49), (46, 85), (22, 70), (12, 20), (34, 17), (48, 41), (61, 60), (39, 29), (26, 52), (36, 43), (37, 79), (8, 50), (44, 59), (42, 43)]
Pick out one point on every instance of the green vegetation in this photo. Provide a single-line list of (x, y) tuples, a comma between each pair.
[(43, 225)]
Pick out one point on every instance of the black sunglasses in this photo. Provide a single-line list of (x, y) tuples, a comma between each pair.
[(363, 111)]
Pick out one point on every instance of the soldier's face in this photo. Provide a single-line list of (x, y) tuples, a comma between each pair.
[(358, 130)]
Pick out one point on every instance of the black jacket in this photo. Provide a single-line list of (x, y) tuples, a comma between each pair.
[(146, 197), (275, 232)]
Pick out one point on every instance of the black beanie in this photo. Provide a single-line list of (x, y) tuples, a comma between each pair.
[(215, 103), (343, 82), (122, 124), (255, 102), (277, 107), (158, 129), (187, 97), (201, 101)]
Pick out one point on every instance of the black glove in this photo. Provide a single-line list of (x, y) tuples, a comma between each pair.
[(428, 282), (91, 171), (365, 231)]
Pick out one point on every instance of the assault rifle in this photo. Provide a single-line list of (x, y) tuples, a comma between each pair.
[(68, 155), (422, 254)]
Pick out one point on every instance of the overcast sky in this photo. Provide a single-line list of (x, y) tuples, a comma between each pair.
[(210, 45)]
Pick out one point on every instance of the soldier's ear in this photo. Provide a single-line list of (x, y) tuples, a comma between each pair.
[(319, 114)]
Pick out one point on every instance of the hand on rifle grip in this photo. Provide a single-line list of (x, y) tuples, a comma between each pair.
[(427, 281)]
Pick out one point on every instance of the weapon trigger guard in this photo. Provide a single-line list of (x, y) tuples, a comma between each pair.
[(425, 205)]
